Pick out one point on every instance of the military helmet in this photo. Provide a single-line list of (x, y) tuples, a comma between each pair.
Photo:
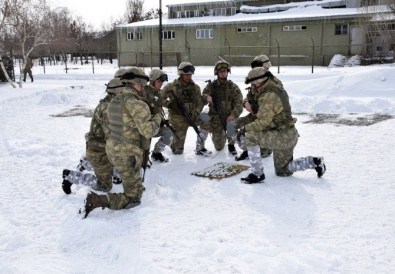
[(157, 74), (114, 86), (221, 65), (257, 75), (119, 73), (186, 68), (261, 61), (134, 75)]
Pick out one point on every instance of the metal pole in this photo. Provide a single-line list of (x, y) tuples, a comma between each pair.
[(312, 62), (160, 35)]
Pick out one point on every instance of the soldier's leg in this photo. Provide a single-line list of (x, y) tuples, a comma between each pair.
[(78, 177), (181, 126), (308, 162), (102, 167), (218, 137), (165, 139), (129, 168), (252, 143)]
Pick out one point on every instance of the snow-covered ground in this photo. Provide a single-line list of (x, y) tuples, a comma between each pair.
[(341, 223)]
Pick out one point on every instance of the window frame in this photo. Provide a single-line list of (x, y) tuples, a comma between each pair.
[(199, 32)]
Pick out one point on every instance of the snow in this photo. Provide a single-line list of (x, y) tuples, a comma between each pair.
[(343, 222)]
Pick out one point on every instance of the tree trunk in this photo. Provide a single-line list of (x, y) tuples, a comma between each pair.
[(6, 74)]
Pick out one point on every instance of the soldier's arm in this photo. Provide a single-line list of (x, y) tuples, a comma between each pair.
[(141, 114), (269, 105), (237, 102)]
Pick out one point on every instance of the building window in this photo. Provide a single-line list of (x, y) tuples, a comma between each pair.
[(168, 34), (294, 28), (204, 34), (186, 14), (341, 29), (134, 35), (247, 29), (223, 11)]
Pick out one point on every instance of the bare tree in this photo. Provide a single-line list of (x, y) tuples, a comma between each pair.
[(134, 10), (31, 26)]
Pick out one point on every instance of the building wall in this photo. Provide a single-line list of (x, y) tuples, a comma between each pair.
[(284, 47)]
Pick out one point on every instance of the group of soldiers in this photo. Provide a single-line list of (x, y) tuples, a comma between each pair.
[(131, 114)]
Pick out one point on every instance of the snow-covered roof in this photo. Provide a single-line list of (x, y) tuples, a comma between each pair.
[(299, 13), (189, 2)]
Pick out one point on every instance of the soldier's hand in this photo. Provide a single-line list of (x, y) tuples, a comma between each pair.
[(248, 107), (230, 119), (209, 99)]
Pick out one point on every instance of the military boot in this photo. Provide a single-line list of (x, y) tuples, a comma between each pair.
[(243, 156), (157, 156), (253, 179), (93, 201), (319, 166), (232, 149), (66, 184)]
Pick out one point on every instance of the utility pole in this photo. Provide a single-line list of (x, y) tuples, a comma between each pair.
[(160, 35)]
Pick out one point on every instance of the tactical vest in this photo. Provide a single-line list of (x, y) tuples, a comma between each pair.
[(98, 133), (116, 110), (284, 119), (224, 92), (187, 95)]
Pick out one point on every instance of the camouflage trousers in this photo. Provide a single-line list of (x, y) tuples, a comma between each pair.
[(166, 136), (82, 177), (213, 126), (129, 167), (281, 142), (102, 167), (181, 126)]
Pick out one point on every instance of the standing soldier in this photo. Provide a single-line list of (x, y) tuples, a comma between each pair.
[(225, 105), (27, 69), (274, 127), (183, 98), (96, 156), (153, 98), (132, 127)]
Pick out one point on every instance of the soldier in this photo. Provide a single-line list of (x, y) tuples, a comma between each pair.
[(184, 100), (28, 69), (248, 104), (274, 127), (96, 157), (153, 98), (132, 126), (225, 105)]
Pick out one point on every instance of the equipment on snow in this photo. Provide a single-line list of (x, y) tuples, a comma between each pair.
[(221, 170)]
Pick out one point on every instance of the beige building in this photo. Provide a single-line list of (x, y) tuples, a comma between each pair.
[(296, 33)]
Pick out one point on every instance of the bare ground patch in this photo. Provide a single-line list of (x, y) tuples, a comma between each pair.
[(76, 111), (352, 119)]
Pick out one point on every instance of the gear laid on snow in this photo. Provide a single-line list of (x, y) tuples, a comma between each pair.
[(253, 179), (221, 170)]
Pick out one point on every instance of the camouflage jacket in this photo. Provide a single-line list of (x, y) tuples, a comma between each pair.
[(130, 123), (99, 129), (229, 95), (189, 94), (251, 92), (274, 109), (152, 97)]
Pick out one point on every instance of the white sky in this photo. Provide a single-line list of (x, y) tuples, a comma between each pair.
[(97, 12)]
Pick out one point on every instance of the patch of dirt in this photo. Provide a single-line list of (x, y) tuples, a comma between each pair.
[(76, 111), (354, 119)]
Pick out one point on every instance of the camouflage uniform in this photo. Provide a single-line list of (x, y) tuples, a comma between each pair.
[(152, 97), (242, 121), (190, 95), (231, 101), (131, 130), (95, 170), (274, 127)]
